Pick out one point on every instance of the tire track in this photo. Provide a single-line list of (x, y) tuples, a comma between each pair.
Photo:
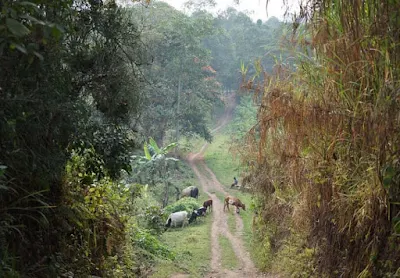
[(209, 184)]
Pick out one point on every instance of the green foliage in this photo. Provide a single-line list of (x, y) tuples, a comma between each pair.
[(185, 204), (151, 244), (182, 89), (99, 214), (238, 42), (155, 219), (245, 118), (155, 166), (20, 19), (69, 89)]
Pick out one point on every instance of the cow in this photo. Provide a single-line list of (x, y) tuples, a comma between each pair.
[(201, 211), (177, 218), (196, 213), (191, 191), (229, 200), (208, 204)]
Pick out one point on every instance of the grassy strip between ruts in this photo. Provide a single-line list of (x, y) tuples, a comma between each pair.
[(228, 260), (225, 167)]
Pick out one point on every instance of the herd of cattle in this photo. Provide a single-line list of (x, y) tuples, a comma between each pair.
[(182, 218)]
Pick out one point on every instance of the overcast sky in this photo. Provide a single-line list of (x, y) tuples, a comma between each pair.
[(255, 7)]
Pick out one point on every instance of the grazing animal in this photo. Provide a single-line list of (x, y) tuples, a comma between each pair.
[(193, 216), (229, 200), (208, 204), (177, 218), (197, 213), (191, 191), (201, 211)]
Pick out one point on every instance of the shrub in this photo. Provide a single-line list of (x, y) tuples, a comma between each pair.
[(188, 204)]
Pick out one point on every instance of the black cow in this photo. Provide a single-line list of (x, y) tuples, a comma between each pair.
[(196, 213)]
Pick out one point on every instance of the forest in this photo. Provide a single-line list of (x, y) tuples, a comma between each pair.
[(110, 109)]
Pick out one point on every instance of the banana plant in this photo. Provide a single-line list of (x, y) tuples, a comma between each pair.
[(154, 164)]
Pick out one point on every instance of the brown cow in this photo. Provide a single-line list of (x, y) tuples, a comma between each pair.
[(229, 200), (207, 204)]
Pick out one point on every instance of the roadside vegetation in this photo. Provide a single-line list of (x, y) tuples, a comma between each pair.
[(325, 147)]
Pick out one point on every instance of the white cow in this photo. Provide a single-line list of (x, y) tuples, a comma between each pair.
[(177, 218)]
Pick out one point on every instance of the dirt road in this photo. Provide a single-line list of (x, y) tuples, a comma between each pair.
[(210, 184)]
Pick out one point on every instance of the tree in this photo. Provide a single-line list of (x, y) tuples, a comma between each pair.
[(69, 83), (176, 77)]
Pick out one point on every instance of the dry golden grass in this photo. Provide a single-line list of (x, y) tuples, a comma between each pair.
[(328, 140)]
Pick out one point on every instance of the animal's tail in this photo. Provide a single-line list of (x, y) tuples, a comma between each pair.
[(168, 223)]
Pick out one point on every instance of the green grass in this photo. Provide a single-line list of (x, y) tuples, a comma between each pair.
[(190, 244), (231, 222), (220, 196), (221, 161), (229, 259), (192, 248)]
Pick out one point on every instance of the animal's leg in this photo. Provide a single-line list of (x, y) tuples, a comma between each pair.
[(227, 206)]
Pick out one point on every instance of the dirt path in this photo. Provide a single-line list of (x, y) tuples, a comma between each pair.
[(210, 185)]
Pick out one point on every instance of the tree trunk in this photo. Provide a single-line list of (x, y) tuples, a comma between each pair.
[(166, 184), (178, 108), (166, 197)]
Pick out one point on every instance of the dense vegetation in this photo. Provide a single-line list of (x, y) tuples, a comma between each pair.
[(69, 88), (326, 146), (99, 102), (83, 85)]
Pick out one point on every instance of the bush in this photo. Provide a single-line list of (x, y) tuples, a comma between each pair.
[(188, 204), (145, 240)]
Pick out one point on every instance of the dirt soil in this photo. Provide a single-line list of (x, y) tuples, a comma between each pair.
[(210, 185)]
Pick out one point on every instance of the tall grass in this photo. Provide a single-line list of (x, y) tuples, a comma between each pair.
[(327, 144)]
